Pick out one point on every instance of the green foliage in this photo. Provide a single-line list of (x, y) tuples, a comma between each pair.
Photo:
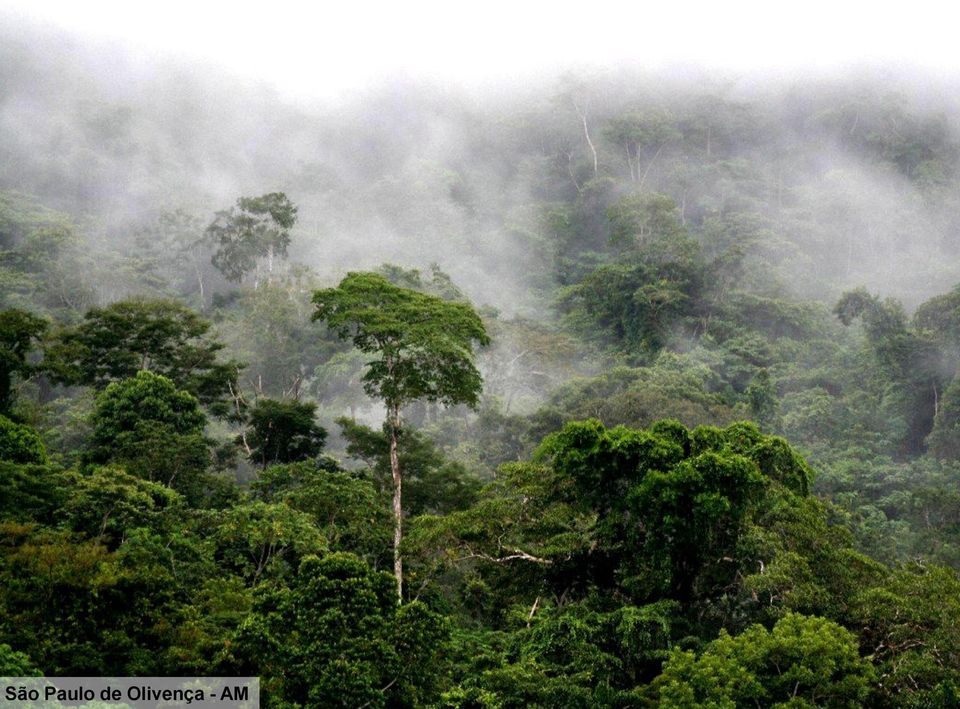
[(134, 411), (640, 218), (337, 382), (911, 625), (908, 358), (269, 329), (283, 432), (15, 664), (18, 331), (694, 514), (636, 303), (20, 444), (423, 344), (336, 637), (690, 291), (258, 540), (78, 609), (107, 504), (164, 337), (432, 483), (257, 228), (31, 493), (439, 285), (348, 510), (803, 662), (577, 655), (424, 352), (762, 400), (944, 439), (643, 515), (673, 386)]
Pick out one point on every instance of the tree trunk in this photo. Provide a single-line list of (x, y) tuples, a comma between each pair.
[(397, 504), (649, 165), (586, 134), (199, 271)]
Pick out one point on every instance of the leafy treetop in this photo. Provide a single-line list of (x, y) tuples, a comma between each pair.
[(423, 343), (162, 336)]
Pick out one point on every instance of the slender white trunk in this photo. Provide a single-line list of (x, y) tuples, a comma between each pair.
[(649, 165), (586, 134), (397, 500)]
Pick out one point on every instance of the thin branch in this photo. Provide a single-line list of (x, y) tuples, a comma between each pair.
[(517, 554), (533, 610)]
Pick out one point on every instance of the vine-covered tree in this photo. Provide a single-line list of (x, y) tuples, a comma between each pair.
[(283, 432)]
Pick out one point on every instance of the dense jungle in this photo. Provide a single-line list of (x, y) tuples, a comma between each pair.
[(620, 389)]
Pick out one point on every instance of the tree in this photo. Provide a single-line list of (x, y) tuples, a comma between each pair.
[(348, 509), (108, 503), (642, 137), (161, 336), (803, 662), (18, 330), (257, 228), (431, 482), (176, 252), (909, 361), (260, 540), (20, 444), (153, 428), (335, 638), (910, 623), (337, 382), (15, 664), (424, 351), (641, 218), (283, 432), (762, 400)]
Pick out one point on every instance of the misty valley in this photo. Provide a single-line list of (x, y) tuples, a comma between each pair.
[(618, 389)]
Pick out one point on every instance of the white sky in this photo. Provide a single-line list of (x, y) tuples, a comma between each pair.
[(321, 48)]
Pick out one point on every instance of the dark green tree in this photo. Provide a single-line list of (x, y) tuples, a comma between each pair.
[(348, 509), (908, 359), (431, 482), (15, 664), (762, 400), (18, 332), (422, 348), (642, 136), (336, 638), (283, 432), (153, 429), (161, 336)]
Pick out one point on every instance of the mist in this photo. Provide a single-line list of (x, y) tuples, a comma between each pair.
[(415, 172)]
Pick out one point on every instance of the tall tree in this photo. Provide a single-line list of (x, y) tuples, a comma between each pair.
[(257, 228), (423, 349)]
